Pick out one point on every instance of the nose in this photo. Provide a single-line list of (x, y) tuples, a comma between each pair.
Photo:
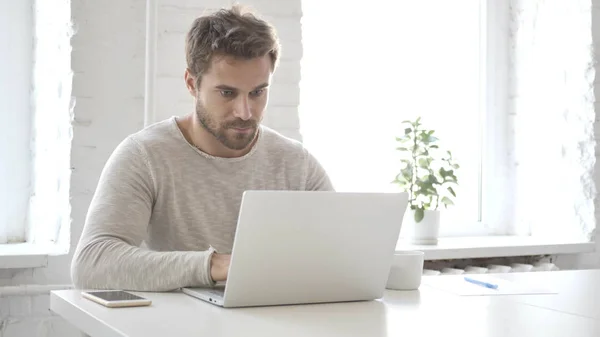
[(242, 109)]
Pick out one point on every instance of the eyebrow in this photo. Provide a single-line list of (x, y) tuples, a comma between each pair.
[(226, 87)]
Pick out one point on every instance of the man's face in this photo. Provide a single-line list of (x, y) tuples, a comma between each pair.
[(231, 98)]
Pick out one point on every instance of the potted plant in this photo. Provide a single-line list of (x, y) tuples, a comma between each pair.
[(427, 173)]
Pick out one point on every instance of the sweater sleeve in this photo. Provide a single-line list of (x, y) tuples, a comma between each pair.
[(108, 254), (317, 178)]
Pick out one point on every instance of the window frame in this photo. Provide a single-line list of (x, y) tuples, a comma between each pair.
[(17, 68), (495, 213)]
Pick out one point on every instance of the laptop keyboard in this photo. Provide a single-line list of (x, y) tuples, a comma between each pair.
[(218, 292)]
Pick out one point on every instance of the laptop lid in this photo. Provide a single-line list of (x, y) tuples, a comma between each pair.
[(295, 247)]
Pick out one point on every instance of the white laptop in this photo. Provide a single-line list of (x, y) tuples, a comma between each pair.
[(300, 247)]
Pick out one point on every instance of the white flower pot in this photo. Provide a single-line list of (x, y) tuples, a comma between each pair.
[(424, 232)]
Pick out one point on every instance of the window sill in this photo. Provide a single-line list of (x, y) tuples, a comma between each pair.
[(496, 246), (25, 255)]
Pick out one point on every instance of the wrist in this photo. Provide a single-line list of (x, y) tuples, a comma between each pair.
[(209, 269)]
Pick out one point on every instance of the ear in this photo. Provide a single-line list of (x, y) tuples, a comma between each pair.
[(190, 82)]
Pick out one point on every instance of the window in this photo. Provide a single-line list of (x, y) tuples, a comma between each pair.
[(35, 107), (50, 208), (16, 28), (365, 69)]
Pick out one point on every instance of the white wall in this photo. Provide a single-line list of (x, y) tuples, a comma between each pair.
[(108, 86), (108, 52), (552, 82), (593, 260)]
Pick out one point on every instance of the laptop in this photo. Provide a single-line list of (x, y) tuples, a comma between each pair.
[(306, 247)]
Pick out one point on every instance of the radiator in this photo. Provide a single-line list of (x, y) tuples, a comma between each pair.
[(494, 268)]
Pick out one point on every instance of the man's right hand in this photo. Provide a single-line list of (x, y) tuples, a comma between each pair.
[(219, 266)]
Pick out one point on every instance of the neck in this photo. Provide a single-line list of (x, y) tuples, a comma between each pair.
[(206, 142)]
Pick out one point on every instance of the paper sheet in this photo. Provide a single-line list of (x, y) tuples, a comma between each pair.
[(458, 285)]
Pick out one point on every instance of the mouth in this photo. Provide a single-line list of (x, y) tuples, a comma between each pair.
[(242, 130)]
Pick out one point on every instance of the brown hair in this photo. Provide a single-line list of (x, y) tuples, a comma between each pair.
[(235, 32)]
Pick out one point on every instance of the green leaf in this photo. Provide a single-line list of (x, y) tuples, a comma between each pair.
[(447, 201), (402, 149), (426, 138), (450, 178), (399, 177), (407, 173), (423, 162), (455, 166), (425, 187), (403, 185), (434, 147), (451, 190), (433, 180), (405, 161), (419, 215), (407, 131)]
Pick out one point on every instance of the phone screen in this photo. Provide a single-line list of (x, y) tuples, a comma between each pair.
[(115, 295)]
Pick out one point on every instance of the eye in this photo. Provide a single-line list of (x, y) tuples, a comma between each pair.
[(227, 93), (258, 92)]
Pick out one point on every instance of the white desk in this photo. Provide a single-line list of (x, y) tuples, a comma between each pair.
[(579, 292), (427, 312)]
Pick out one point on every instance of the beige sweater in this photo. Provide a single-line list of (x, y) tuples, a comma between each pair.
[(159, 190)]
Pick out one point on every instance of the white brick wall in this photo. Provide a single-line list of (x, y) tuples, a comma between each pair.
[(556, 90), (552, 113), (593, 260), (108, 82), (108, 87)]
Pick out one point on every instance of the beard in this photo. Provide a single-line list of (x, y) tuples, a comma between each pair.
[(224, 131)]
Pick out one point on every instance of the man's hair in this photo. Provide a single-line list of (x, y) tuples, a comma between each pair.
[(233, 32)]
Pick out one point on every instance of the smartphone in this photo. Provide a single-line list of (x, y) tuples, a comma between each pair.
[(116, 298)]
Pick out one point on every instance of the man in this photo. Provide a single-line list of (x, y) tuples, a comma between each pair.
[(177, 184)]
